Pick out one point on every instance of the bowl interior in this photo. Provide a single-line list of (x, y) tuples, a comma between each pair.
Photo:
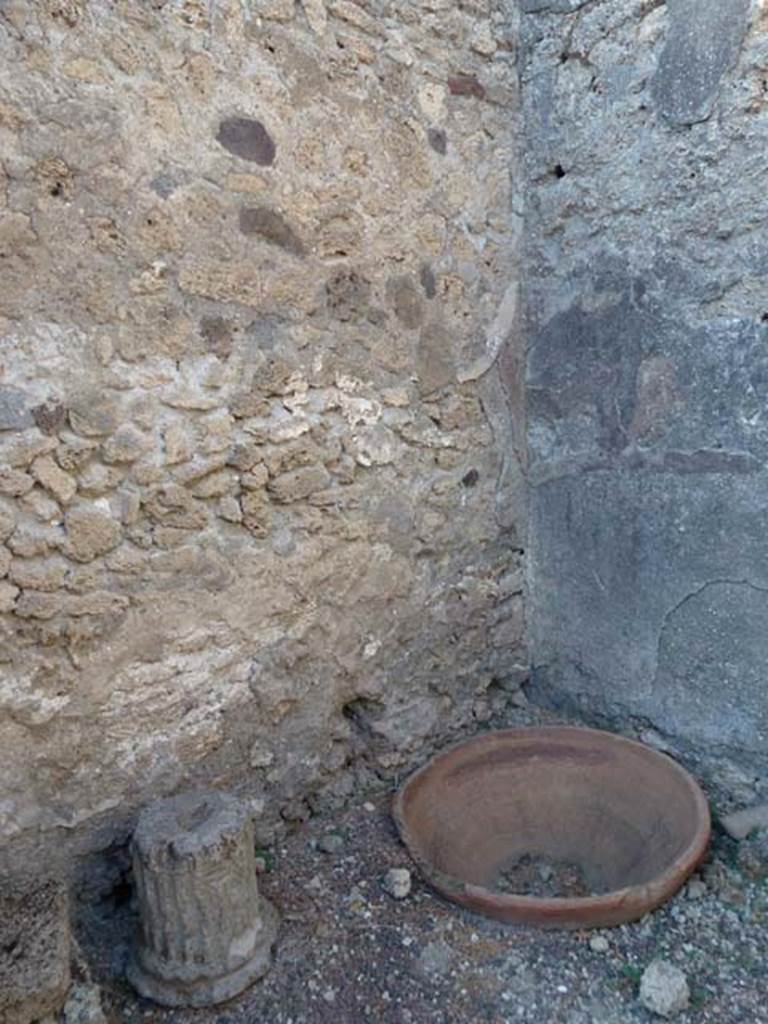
[(620, 812)]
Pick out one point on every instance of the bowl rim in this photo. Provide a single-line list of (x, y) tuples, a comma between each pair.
[(628, 902)]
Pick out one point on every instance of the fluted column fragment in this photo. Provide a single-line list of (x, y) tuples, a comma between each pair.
[(206, 933)]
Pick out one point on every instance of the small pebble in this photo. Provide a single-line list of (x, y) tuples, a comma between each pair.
[(654, 739), (695, 889), (397, 882), (83, 1005), (435, 958), (599, 944), (356, 899), (664, 989), (739, 824), (332, 842)]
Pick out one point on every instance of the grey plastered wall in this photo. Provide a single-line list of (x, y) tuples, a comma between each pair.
[(646, 311)]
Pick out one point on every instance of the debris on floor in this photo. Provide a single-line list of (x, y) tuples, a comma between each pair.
[(397, 882), (349, 953), (664, 989), (542, 877)]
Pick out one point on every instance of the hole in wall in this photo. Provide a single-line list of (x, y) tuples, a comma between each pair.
[(558, 171), (362, 712), (121, 894)]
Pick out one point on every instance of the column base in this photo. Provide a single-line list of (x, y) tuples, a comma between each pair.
[(210, 991)]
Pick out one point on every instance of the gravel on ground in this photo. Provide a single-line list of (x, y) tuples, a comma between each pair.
[(350, 953)]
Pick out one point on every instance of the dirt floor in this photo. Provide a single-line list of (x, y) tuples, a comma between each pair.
[(348, 952)]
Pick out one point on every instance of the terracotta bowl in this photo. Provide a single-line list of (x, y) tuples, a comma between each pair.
[(632, 820)]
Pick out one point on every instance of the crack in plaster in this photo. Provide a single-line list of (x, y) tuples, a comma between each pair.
[(668, 615)]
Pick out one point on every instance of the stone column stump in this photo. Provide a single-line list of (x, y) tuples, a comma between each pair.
[(206, 933)]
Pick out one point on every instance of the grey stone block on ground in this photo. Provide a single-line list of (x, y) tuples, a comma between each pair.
[(34, 952)]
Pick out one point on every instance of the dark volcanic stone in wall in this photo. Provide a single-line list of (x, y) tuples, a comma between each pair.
[(405, 300), (438, 140), (13, 409), (49, 416), (164, 185), (703, 42), (272, 227), (466, 85), (428, 282), (247, 138), (217, 334), (436, 367), (348, 295)]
